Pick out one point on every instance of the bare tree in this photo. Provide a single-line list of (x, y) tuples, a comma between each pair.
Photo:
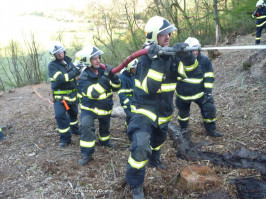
[(217, 21)]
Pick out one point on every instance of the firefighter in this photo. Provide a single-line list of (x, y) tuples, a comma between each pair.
[(2, 136), (97, 86), (63, 73), (127, 87), (197, 87), (260, 14), (152, 104)]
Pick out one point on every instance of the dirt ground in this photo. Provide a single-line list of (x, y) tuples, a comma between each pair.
[(33, 166)]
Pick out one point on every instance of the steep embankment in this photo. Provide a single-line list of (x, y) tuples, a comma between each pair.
[(32, 165)]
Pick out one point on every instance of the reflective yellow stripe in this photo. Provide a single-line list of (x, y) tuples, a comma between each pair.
[(183, 119), (0, 129), (74, 123), (104, 138), (124, 107), (64, 130), (163, 120), (137, 83), (147, 113), (196, 96), (66, 77), (157, 76), (96, 110), (99, 88), (208, 85), (258, 38), (136, 164), (168, 87), (79, 95), (181, 70), (125, 102), (55, 76), (192, 80), (210, 120), (145, 86), (87, 144), (125, 91), (191, 67), (259, 25), (209, 74), (261, 17), (64, 91), (66, 98), (115, 85), (156, 148)]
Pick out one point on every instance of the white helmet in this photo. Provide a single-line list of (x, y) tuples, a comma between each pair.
[(192, 42), (78, 58), (89, 52), (260, 3), (157, 25), (56, 48), (132, 65)]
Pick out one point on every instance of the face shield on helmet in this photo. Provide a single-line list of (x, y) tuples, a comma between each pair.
[(132, 65), (90, 52), (193, 42), (157, 25), (56, 48)]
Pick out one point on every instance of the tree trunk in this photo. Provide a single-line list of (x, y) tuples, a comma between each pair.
[(217, 22)]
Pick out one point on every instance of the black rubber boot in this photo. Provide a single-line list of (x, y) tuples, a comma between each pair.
[(84, 160), (64, 144), (137, 192), (155, 161), (214, 133), (109, 144)]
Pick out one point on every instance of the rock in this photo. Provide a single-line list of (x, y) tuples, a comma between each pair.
[(118, 111), (200, 178)]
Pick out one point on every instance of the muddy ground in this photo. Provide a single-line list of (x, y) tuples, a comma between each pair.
[(33, 166)]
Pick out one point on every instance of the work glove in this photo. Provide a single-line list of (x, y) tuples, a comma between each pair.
[(153, 51), (179, 48), (107, 72), (207, 98), (76, 70)]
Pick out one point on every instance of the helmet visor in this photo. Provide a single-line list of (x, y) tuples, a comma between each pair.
[(167, 30), (58, 50), (96, 52)]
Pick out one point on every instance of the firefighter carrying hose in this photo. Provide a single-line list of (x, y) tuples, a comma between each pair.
[(97, 86), (63, 75), (197, 87), (127, 87), (260, 14), (152, 104)]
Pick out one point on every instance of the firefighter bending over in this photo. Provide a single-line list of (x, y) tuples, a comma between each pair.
[(63, 73), (97, 86), (197, 87)]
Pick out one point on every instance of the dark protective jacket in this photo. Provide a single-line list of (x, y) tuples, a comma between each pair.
[(97, 91), (199, 80), (62, 77), (127, 87), (260, 14), (155, 83)]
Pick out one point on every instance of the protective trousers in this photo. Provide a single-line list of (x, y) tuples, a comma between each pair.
[(146, 143), (208, 113), (128, 117), (67, 121), (88, 136), (259, 29)]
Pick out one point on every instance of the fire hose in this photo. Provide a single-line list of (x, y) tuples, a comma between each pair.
[(172, 51)]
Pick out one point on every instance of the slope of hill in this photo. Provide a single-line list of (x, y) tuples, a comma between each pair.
[(33, 166)]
